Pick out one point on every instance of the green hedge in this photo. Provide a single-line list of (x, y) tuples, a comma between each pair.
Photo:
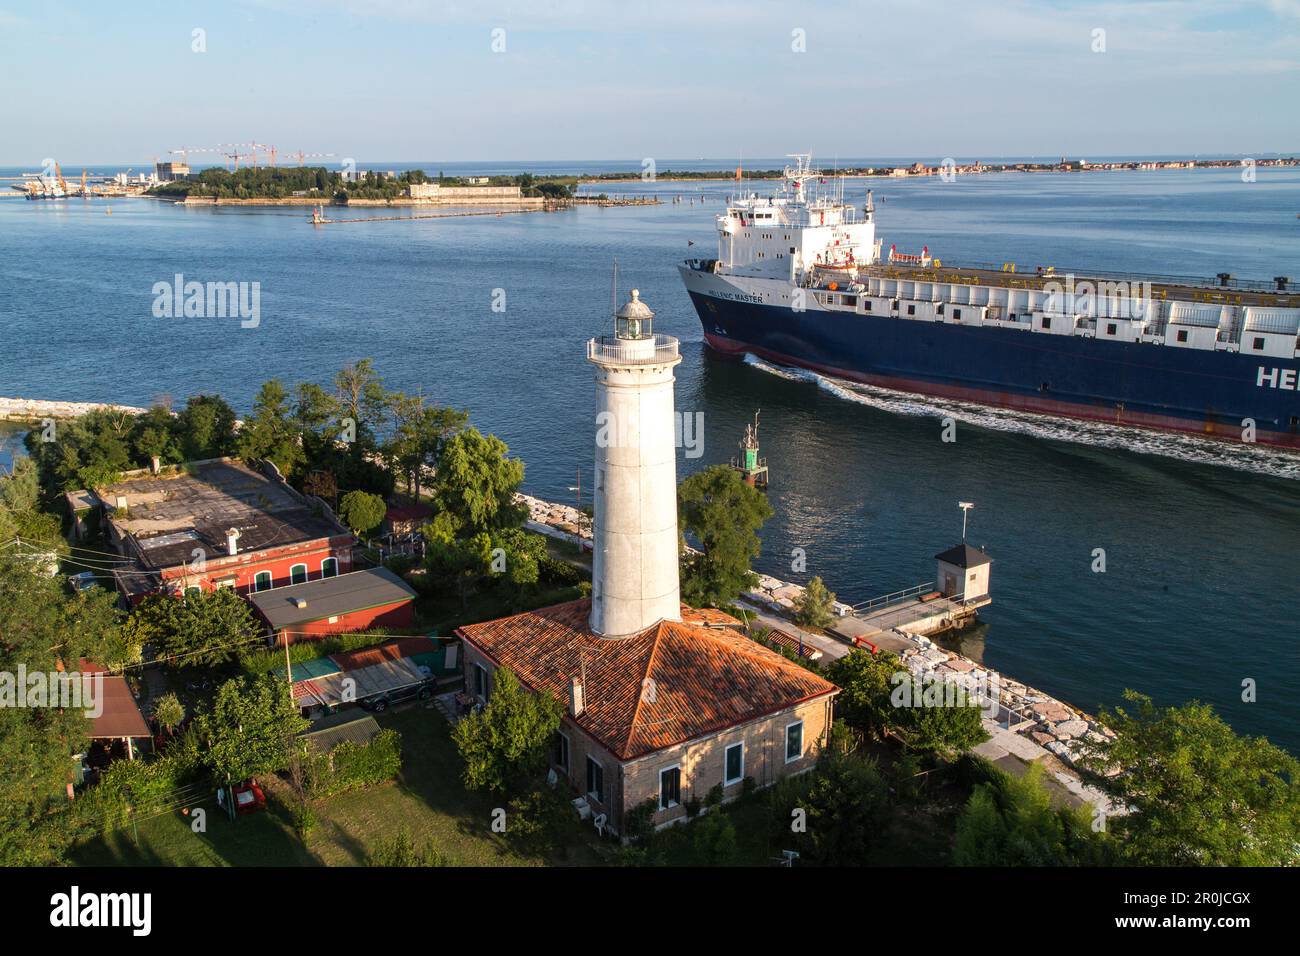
[(352, 766)]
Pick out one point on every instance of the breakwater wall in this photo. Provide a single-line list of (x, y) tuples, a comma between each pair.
[(35, 410)]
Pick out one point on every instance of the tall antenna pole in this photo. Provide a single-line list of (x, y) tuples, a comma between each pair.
[(613, 290), (965, 507)]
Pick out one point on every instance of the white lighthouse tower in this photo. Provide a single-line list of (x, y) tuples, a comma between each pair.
[(634, 560)]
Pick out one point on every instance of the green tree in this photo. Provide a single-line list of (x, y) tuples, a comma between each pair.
[(866, 682), (41, 629), (840, 808), (475, 484), (169, 712), (206, 426), (814, 606), (250, 727), (1199, 794), (878, 695), (362, 511), (506, 743), (20, 489), (945, 730), (724, 515), (271, 433), (420, 432), (713, 840), (199, 630), (1013, 822), (363, 401), (89, 451), (156, 435)]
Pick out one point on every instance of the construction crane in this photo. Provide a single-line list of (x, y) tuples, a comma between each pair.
[(63, 184), (184, 151), (300, 156)]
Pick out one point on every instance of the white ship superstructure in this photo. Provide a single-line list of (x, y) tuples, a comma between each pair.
[(800, 278)]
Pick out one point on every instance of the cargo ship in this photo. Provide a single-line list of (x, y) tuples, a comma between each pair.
[(800, 279)]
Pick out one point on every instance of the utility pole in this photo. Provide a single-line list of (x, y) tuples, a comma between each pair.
[(965, 507)]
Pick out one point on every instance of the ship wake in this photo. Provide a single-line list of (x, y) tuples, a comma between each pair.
[(1189, 448)]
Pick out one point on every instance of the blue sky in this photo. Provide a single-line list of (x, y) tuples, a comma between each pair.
[(405, 80)]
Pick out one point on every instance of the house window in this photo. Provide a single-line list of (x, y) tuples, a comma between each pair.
[(298, 574), (1047, 322), (911, 310), (734, 764), (670, 788), (481, 682), (1182, 335), (1111, 328), (794, 741), (329, 568), (595, 780), (262, 581), (1259, 343), (560, 751), (956, 313), (867, 305)]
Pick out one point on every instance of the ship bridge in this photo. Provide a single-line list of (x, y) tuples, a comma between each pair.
[(797, 229)]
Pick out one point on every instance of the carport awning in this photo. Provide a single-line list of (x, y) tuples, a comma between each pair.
[(334, 689)]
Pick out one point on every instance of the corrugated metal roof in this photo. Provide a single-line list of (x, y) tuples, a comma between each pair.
[(327, 734), (351, 686)]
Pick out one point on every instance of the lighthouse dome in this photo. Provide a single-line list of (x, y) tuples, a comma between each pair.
[(633, 320)]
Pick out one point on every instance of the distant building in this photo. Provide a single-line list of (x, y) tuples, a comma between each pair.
[(168, 172), (436, 192), (477, 180), (218, 523), (405, 518)]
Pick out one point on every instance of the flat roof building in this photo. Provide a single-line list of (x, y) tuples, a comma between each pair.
[(375, 597), (219, 523)]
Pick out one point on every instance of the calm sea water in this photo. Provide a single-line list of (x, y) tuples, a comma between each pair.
[(1200, 590)]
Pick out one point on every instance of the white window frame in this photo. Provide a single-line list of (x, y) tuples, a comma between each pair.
[(785, 741), (727, 749), (325, 561), (269, 584), (670, 806), (306, 574), (598, 797)]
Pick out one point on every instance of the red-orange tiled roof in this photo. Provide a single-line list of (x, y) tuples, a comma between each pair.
[(674, 681)]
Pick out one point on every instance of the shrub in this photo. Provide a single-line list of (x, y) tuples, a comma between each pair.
[(538, 822), (714, 797), (353, 766), (638, 822)]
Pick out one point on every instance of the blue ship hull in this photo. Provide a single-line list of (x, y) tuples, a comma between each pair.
[(1181, 389)]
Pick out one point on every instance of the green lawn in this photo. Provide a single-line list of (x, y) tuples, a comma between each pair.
[(427, 800)]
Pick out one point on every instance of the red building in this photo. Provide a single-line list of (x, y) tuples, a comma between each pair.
[(219, 523), (375, 597)]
